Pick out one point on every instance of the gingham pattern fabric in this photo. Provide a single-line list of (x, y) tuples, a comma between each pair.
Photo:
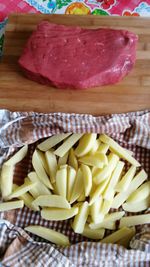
[(132, 130)]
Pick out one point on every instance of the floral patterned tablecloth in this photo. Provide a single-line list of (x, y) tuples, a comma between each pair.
[(82, 7)]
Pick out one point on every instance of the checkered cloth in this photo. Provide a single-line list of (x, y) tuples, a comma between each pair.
[(17, 248)]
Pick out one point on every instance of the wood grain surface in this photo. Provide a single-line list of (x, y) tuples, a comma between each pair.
[(20, 94)]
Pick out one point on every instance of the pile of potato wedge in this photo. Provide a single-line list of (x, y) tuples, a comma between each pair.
[(82, 177)]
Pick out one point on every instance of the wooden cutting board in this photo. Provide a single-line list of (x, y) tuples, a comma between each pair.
[(21, 94)]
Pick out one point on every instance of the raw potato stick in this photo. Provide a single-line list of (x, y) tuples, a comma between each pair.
[(63, 160), (52, 141), (11, 205), (61, 182), (125, 241), (85, 144), (93, 234), (111, 217), (134, 220), (18, 156), (6, 180), (87, 179), (71, 176), (123, 196), (137, 206), (43, 160), (120, 151), (40, 188), (101, 175), (80, 218), (78, 187), (20, 190), (98, 191), (37, 165), (52, 201), (64, 148), (95, 146), (48, 234), (116, 236), (54, 214), (141, 193), (113, 180), (126, 180), (52, 165), (95, 209), (110, 225), (72, 160)]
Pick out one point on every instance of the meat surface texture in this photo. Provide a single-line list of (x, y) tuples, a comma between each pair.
[(72, 57)]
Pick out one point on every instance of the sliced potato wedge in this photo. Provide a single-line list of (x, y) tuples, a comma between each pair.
[(61, 182), (43, 160), (48, 234), (85, 144), (140, 194), (95, 146), (101, 175), (120, 151), (63, 160), (18, 156), (38, 167), (71, 176), (52, 165), (65, 147), (40, 188), (112, 217), (126, 180), (103, 148), (72, 160), (52, 141), (123, 196), (134, 220), (20, 190), (87, 179), (137, 206), (11, 205), (99, 189), (116, 236), (80, 218), (95, 209), (55, 214), (110, 225), (109, 191), (125, 241), (96, 160), (81, 197), (54, 201), (78, 187), (93, 233), (6, 180)]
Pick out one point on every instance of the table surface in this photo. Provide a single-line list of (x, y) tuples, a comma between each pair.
[(21, 94)]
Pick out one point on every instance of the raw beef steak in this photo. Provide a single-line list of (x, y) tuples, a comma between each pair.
[(72, 57)]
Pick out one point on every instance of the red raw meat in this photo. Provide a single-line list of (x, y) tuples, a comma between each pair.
[(72, 57)]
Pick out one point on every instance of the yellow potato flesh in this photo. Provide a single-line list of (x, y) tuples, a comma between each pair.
[(48, 234), (134, 220), (112, 217), (71, 175), (17, 157), (5, 206), (6, 180), (78, 187), (141, 193), (120, 151), (135, 183), (98, 191), (116, 236), (95, 146), (110, 225), (101, 175), (39, 169), (52, 141), (87, 179), (126, 180), (52, 201), (40, 188), (52, 165), (63, 160), (95, 209), (85, 144), (22, 190), (137, 206), (125, 241), (93, 233), (55, 214), (96, 160), (81, 197), (106, 205), (72, 160), (64, 148), (113, 180), (103, 148), (61, 182), (43, 160), (80, 218)]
